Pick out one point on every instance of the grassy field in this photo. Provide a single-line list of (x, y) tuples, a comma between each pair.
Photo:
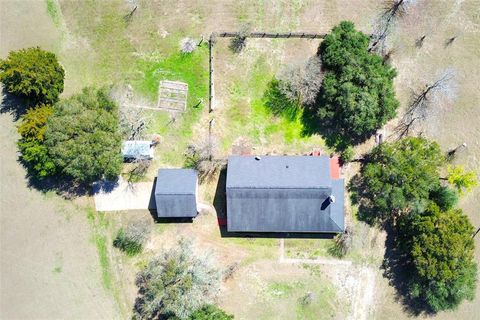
[(98, 46)]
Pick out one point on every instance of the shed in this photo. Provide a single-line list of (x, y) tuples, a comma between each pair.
[(176, 193), (136, 149), (284, 194)]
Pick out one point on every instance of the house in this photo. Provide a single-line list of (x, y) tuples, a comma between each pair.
[(176, 193), (137, 150), (284, 194)]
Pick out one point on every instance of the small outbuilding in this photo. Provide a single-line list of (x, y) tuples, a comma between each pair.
[(137, 150), (176, 193)]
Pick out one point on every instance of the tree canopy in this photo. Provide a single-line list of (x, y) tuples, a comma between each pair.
[(33, 73), (396, 177), (83, 138), (210, 312), (32, 129), (357, 95), (176, 284), (441, 251), (462, 180)]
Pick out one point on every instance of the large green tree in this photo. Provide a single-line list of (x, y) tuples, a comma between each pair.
[(31, 145), (441, 253), (83, 137), (357, 95), (33, 73), (176, 284), (396, 178)]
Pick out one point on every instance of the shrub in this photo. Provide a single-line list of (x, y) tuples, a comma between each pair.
[(239, 42), (176, 284), (132, 238), (34, 74), (441, 251), (462, 180), (210, 312), (278, 103), (357, 95), (188, 45), (201, 157), (31, 145), (342, 243), (83, 137), (347, 155)]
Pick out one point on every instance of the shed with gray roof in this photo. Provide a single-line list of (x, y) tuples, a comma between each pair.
[(283, 194), (176, 193)]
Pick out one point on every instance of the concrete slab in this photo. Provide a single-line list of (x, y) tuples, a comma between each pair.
[(124, 196)]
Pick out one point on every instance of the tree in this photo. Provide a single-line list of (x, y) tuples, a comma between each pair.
[(357, 95), (461, 180), (34, 74), (176, 284), (396, 178), (441, 250), (132, 238), (210, 312), (446, 198), (31, 145), (300, 83), (83, 137)]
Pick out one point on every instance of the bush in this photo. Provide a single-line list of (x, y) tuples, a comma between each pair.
[(239, 42), (132, 238), (278, 103), (188, 45), (31, 145), (176, 284), (342, 243), (34, 74), (83, 137), (210, 312), (441, 250), (462, 180), (357, 95)]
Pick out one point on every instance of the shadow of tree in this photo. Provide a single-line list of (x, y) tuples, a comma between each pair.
[(396, 264), (14, 105)]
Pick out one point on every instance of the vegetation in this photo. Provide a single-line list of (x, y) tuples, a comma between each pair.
[(397, 178), (357, 95), (461, 180), (239, 42), (83, 138), (176, 284), (301, 83), (210, 312), (445, 197), (31, 145), (34, 74), (342, 243), (441, 251), (132, 238)]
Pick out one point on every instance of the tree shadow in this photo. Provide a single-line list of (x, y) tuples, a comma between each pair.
[(14, 105), (279, 104)]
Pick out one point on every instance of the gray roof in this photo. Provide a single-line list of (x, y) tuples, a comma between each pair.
[(176, 193), (278, 172), (283, 194)]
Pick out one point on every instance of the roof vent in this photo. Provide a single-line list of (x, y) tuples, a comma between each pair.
[(258, 158), (331, 198)]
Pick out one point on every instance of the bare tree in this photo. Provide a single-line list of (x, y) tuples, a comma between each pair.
[(301, 82), (421, 102), (202, 156), (393, 10)]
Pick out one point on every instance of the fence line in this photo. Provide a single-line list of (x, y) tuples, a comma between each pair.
[(301, 35)]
